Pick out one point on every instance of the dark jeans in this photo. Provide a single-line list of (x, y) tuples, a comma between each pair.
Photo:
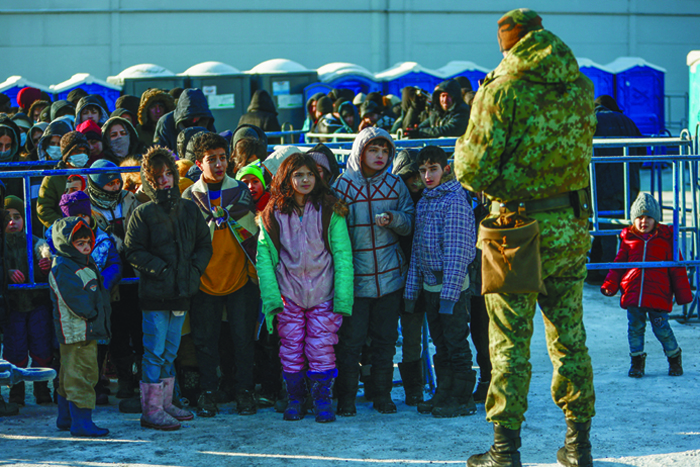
[(480, 335), (377, 318), (29, 334), (127, 331), (412, 331), (205, 319), (450, 332)]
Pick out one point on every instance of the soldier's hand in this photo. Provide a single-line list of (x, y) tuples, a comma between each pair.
[(606, 292)]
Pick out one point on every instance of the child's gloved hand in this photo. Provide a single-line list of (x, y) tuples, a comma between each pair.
[(45, 265), (606, 292), (16, 276)]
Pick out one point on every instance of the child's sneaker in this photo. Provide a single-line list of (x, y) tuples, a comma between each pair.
[(637, 368), (675, 366)]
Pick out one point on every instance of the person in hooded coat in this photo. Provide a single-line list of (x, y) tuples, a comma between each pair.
[(262, 113), (62, 108), (74, 154), (311, 118), (154, 104), (192, 109), (91, 107), (120, 140), (10, 152), (414, 102), (450, 115), (31, 146), (36, 109)]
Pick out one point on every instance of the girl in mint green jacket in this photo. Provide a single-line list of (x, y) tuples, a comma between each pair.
[(306, 278)]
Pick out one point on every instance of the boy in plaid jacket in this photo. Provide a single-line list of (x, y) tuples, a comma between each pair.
[(444, 244)]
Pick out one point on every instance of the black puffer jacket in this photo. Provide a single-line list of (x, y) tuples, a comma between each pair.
[(169, 244), (192, 103), (262, 113), (452, 122)]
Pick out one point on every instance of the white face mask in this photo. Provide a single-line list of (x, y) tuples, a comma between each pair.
[(22, 139), (54, 152), (78, 160), (120, 146)]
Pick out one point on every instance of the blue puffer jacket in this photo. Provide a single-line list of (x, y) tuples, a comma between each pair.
[(380, 266)]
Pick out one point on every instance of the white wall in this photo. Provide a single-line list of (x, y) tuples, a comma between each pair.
[(47, 41)]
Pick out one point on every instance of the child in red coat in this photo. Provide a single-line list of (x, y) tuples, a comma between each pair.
[(648, 291)]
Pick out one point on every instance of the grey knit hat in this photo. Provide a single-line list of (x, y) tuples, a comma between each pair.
[(646, 205)]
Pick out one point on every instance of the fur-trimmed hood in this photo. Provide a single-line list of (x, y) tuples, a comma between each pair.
[(148, 176), (150, 97)]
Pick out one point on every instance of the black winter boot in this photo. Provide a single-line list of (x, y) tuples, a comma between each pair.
[(577, 447), (482, 390), (188, 378), (125, 377), (675, 366), (383, 381), (346, 388), (503, 453), (443, 375), (42, 393), (8, 409), (17, 394), (459, 402), (637, 368), (412, 378)]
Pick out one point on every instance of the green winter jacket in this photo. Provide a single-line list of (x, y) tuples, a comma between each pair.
[(50, 192), (532, 124), (341, 250)]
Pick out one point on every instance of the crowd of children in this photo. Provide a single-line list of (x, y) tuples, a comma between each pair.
[(216, 230)]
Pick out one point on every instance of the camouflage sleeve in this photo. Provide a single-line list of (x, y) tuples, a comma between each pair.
[(478, 152)]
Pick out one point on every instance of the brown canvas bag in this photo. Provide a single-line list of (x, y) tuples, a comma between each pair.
[(511, 261)]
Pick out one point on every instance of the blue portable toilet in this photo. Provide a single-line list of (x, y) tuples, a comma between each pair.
[(314, 88), (138, 78), (470, 70), (693, 61), (14, 84), (91, 85), (639, 91), (340, 75), (602, 77), (408, 74)]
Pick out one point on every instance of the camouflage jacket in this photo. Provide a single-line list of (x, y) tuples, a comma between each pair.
[(532, 124)]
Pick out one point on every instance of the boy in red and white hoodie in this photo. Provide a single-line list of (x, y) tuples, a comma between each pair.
[(648, 292)]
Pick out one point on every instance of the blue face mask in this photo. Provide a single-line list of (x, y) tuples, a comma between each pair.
[(54, 152), (78, 160), (22, 139), (5, 156)]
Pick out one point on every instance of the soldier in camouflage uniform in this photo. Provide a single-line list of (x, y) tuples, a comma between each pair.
[(530, 140)]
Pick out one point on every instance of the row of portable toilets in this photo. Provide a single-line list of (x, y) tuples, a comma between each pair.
[(637, 85)]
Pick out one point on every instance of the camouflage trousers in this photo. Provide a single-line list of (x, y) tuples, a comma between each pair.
[(564, 241)]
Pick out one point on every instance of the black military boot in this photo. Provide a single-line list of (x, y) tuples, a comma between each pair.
[(125, 377), (503, 453), (412, 378), (459, 402), (17, 394), (675, 366), (577, 447), (637, 368), (383, 382), (443, 375)]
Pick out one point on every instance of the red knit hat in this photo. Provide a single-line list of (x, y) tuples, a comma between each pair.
[(27, 96), (90, 129)]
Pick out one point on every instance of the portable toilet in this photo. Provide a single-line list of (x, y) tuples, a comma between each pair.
[(227, 90), (408, 74), (470, 70), (693, 61), (138, 78), (602, 77), (639, 91), (14, 84), (340, 75), (285, 80), (91, 85)]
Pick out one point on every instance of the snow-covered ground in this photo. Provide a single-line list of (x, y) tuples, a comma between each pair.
[(647, 422), (652, 421)]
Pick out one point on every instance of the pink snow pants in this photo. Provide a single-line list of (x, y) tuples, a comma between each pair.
[(308, 335)]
